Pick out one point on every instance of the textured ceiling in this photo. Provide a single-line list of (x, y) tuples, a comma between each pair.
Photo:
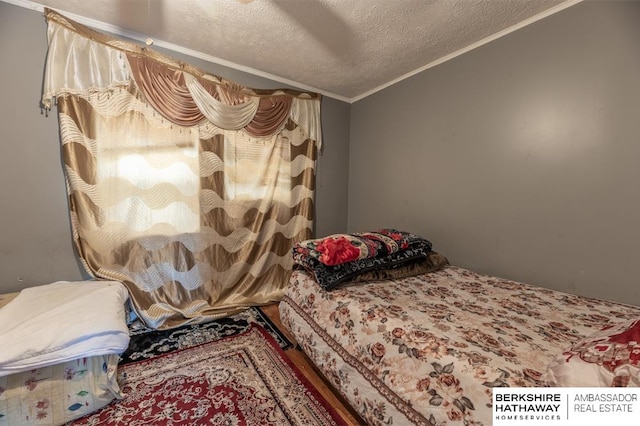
[(346, 49)]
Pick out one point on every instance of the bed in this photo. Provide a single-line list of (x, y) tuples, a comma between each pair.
[(60, 350), (408, 345)]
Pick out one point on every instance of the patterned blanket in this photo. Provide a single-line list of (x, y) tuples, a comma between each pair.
[(341, 257), (428, 349)]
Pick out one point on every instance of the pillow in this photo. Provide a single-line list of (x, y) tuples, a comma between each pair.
[(433, 262), (609, 357), (342, 248), (329, 276)]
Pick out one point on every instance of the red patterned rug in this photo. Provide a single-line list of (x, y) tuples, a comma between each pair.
[(244, 379)]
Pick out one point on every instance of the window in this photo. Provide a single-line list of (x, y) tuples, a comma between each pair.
[(256, 169), (151, 183)]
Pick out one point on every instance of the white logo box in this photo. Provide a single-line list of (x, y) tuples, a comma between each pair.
[(566, 406)]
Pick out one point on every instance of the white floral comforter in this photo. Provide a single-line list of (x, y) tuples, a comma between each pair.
[(428, 349)]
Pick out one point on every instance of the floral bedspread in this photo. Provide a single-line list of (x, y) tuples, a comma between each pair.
[(429, 348)]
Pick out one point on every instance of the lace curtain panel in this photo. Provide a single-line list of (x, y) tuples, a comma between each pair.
[(189, 189)]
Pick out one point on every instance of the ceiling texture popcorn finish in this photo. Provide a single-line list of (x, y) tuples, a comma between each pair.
[(345, 49)]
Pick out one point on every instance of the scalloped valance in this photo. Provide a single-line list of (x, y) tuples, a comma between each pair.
[(81, 61)]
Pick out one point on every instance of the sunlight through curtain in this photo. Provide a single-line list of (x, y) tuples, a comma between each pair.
[(189, 189)]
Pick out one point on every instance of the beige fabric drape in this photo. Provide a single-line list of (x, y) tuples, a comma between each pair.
[(181, 99), (196, 217), (166, 90), (233, 115)]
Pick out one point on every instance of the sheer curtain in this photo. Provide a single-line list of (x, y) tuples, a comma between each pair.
[(188, 188)]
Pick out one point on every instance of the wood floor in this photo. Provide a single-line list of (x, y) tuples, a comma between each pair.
[(304, 364)]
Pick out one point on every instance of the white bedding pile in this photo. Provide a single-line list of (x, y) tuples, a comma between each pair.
[(62, 321)]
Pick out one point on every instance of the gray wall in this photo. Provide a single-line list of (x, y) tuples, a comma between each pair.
[(35, 235), (520, 158)]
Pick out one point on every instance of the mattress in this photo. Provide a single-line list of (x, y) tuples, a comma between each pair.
[(60, 351), (59, 393), (428, 349)]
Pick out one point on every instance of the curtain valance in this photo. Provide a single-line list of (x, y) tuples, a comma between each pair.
[(233, 116), (81, 61)]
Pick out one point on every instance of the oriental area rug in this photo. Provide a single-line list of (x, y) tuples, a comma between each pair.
[(146, 343), (245, 379)]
